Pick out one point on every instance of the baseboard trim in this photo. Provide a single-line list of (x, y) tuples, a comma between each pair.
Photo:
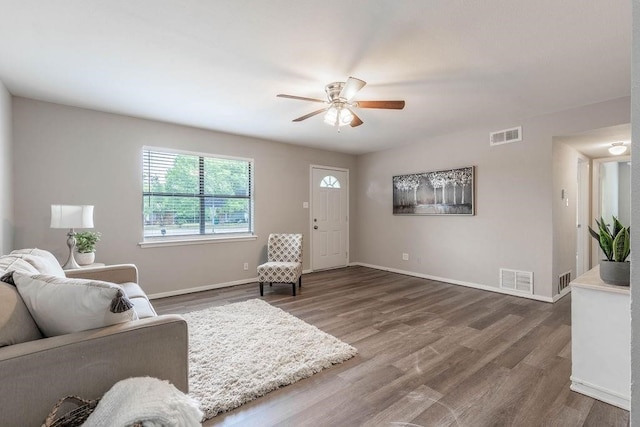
[(208, 287), (600, 393), (377, 267), (457, 282), (202, 288), (566, 291)]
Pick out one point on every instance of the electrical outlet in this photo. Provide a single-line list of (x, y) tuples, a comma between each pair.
[(245, 266), (405, 256)]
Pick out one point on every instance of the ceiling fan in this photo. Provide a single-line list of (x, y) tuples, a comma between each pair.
[(339, 105)]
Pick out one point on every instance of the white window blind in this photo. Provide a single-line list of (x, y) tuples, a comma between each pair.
[(189, 194)]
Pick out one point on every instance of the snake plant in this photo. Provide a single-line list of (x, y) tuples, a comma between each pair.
[(614, 241)]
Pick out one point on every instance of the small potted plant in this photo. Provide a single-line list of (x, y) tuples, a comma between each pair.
[(86, 246), (615, 243)]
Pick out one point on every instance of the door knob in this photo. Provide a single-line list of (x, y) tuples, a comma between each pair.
[(315, 227)]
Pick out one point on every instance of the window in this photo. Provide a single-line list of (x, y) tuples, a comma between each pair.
[(330, 181), (189, 194)]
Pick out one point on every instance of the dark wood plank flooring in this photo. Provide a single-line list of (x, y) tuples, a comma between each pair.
[(429, 354)]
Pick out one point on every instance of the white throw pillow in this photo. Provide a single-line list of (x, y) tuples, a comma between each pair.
[(15, 263), (62, 306), (42, 260)]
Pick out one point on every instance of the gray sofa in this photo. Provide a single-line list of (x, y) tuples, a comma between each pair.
[(36, 372)]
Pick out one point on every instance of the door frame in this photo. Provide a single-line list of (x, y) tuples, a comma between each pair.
[(311, 190), (596, 199), (583, 211)]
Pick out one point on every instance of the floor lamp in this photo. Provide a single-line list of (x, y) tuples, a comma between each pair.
[(71, 216)]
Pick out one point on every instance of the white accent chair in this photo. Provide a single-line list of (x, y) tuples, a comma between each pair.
[(284, 261)]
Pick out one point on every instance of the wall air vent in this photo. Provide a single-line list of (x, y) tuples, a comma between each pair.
[(514, 280), (563, 281), (505, 136)]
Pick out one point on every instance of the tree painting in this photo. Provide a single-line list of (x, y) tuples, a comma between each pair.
[(406, 186), (445, 192)]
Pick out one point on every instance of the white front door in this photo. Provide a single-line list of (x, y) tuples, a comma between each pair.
[(329, 218)]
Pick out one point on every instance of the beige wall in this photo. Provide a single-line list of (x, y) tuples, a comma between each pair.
[(79, 156), (513, 225), (85, 156), (6, 181)]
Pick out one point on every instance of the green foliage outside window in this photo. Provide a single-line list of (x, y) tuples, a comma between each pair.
[(192, 194)]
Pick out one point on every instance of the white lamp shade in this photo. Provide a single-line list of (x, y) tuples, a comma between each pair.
[(71, 216)]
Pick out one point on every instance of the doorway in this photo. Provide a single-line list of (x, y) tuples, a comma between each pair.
[(611, 194), (329, 217)]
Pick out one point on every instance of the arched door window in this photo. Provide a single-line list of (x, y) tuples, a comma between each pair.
[(330, 181)]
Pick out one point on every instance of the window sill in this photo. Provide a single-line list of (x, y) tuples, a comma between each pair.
[(155, 243)]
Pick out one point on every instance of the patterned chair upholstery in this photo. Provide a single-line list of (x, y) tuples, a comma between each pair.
[(284, 261)]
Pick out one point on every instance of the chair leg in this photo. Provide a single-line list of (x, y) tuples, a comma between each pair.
[(300, 281), (261, 289), (293, 285)]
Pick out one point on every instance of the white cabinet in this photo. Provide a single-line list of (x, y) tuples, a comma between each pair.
[(600, 339)]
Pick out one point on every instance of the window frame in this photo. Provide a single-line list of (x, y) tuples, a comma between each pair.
[(202, 237)]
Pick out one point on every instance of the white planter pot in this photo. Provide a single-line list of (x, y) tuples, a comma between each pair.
[(85, 258)]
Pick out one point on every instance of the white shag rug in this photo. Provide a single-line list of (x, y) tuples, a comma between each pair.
[(241, 351)]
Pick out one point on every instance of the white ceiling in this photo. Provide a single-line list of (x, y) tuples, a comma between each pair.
[(219, 64), (596, 142)]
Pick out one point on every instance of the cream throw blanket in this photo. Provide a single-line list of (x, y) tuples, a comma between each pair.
[(149, 401)]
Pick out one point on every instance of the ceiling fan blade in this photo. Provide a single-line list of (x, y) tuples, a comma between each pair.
[(351, 87), (356, 120), (300, 98), (390, 105), (306, 116)]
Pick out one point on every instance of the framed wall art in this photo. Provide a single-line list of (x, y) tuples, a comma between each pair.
[(443, 192)]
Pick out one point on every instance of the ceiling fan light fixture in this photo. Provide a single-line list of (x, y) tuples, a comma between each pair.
[(617, 148), (338, 116), (345, 117), (339, 107), (331, 116)]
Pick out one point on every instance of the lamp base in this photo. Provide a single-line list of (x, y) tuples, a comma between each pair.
[(71, 243)]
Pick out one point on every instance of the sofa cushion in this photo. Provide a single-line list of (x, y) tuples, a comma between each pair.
[(143, 307), (16, 324), (42, 260), (61, 306), (139, 300), (133, 290), (15, 263)]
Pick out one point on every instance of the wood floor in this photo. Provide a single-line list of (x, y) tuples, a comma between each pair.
[(429, 354)]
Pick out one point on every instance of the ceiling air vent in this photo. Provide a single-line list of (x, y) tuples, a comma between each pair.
[(514, 280), (505, 136)]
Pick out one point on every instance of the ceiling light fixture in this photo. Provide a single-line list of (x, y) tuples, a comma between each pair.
[(617, 148), (339, 107), (338, 115)]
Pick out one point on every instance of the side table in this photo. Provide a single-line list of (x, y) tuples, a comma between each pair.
[(95, 264)]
